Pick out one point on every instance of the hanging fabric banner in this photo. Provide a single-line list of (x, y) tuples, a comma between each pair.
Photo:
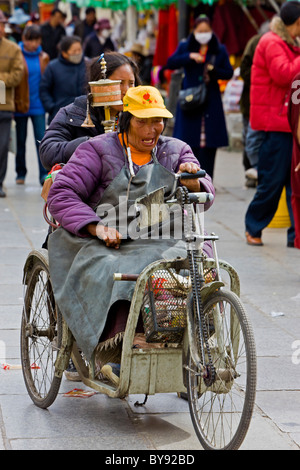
[(140, 5)]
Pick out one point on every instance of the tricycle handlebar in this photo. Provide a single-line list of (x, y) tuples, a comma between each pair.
[(201, 198), (189, 176)]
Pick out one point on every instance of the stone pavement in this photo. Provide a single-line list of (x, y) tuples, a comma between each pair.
[(270, 290)]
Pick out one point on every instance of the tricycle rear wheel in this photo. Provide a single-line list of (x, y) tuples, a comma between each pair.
[(41, 336)]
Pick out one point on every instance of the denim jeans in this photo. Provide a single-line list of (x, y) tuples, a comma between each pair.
[(39, 126), (274, 173), (254, 139)]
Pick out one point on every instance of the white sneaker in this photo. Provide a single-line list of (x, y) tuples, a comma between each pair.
[(251, 173)]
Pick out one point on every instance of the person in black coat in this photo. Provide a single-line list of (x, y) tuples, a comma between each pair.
[(85, 27), (52, 33), (203, 58), (65, 78), (99, 40)]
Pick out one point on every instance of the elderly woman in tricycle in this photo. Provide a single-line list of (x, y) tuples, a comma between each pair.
[(92, 199)]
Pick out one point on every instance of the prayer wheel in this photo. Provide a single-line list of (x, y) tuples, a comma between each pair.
[(106, 92)]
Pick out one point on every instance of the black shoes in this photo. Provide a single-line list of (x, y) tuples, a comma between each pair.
[(2, 193)]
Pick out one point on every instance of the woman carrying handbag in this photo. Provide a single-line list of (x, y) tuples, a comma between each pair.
[(205, 61)]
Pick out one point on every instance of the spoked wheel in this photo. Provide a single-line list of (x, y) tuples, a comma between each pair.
[(41, 336), (221, 412)]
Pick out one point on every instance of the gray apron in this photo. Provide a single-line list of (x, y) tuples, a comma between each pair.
[(82, 269)]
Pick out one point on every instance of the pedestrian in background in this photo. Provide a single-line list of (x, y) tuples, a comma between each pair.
[(276, 62), (294, 121), (203, 58), (65, 77), (27, 100), (11, 70), (52, 32), (85, 27), (99, 40)]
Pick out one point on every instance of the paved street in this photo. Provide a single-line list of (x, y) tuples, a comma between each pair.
[(270, 290)]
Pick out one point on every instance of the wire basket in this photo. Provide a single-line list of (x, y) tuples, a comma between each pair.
[(164, 306)]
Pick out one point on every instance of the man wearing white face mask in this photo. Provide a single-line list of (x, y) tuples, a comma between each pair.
[(99, 41), (203, 59), (64, 78)]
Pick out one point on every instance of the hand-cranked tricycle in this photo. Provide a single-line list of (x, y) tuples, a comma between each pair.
[(207, 345)]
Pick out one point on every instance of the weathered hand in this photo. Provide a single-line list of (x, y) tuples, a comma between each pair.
[(111, 237), (192, 185)]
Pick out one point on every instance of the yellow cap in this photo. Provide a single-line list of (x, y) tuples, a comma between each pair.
[(145, 102)]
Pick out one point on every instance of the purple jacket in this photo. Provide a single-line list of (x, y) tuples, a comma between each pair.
[(79, 186)]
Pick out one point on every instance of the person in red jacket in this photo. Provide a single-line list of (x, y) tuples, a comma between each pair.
[(276, 62)]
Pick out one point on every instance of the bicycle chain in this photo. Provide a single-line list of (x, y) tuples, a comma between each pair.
[(196, 286)]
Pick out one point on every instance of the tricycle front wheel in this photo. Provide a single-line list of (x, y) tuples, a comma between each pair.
[(221, 412)]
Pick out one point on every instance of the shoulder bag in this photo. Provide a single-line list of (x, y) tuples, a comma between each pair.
[(194, 97)]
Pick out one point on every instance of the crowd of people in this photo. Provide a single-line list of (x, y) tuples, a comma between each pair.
[(52, 66)]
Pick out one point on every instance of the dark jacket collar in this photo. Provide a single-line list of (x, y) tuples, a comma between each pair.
[(77, 112)]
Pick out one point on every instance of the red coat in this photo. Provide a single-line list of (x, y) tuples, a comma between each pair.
[(276, 62)]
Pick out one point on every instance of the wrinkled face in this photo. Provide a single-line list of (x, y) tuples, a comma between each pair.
[(144, 133), (126, 75), (31, 45)]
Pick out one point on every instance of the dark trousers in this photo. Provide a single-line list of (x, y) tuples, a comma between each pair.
[(274, 173), (39, 125), (5, 125), (206, 157)]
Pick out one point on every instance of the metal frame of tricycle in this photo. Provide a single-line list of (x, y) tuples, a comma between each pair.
[(143, 371)]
